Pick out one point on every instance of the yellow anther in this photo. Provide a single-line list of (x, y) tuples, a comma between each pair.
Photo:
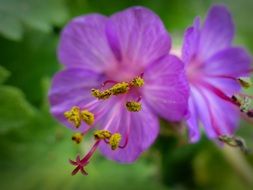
[(245, 104), (119, 88), (133, 106), (95, 92), (77, 138), (115, 140), (102, 134), (73, 116), (87, 117), (245, 82), (102, 95), (137, 82)]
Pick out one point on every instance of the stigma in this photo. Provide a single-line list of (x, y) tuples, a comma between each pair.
[(75, 116)]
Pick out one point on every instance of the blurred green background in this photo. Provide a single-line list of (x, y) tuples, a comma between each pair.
[(34, 148)]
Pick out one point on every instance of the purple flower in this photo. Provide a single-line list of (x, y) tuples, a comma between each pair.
[(214, 67), (118, 78)]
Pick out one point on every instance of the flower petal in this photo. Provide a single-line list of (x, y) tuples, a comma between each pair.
[(191, 41), (166, 89), (217, 116), (137, 36), (72, 88), (141, 128), (193, 121), (222, 69), (217, 32), (233, 61), (83, 44)]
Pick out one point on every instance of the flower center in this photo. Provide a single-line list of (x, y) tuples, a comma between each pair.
[(76, 116), (194, 71), (120, 88)]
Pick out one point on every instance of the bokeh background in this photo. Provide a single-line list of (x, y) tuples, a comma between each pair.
[(34, 148)]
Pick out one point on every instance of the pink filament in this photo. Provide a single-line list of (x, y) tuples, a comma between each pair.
[(108, 82)]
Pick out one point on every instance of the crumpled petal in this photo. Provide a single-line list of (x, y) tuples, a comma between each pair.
[(137, 36), (166, 89), (70, 88), (141, 128), (217, 32), (83, 44)]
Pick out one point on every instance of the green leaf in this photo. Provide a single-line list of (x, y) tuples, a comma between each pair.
[(35, 58), (15, 111), (4, 74), (37, 14)]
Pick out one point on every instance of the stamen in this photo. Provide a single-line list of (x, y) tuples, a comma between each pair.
[(73, 116), (245, 104), (77, 137), (245, 82), (101, 95), (137, 82), (120, 88), (115, 140), (133, 106), (234, 142), (87, 117), (219, 93), (236, 100), (102, 134)]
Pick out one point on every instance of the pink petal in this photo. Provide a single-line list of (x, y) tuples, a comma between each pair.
[(217, 116), (193, 121), (222, 69), (141, 127), (70, 88), (191, 41), (166, 89), (137, 36), (83, 44), (217, 32)]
